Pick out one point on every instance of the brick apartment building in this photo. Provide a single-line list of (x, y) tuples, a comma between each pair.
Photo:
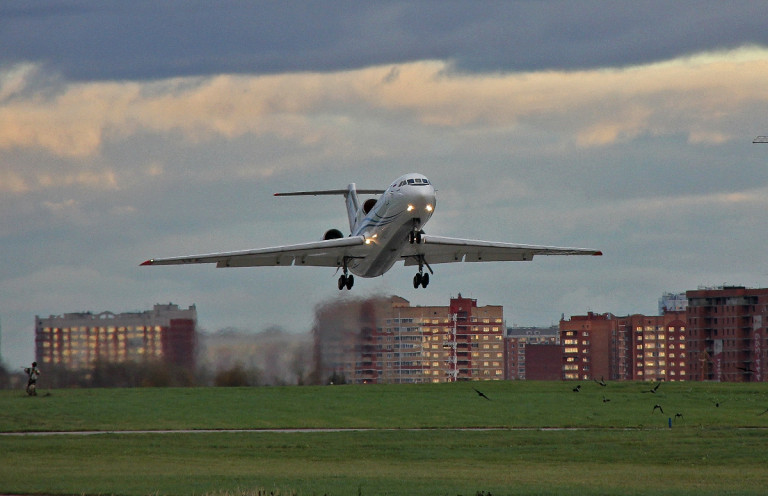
[(386, 340), (532, 353), (726, 334), (655, 347), (589, 347), (76, 341), (635, 347)]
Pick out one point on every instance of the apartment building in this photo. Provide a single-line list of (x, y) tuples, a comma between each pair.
[(589, 347), (76, 341), (636, 347), (655, 347), (532, 353), (726, 334), (386, 340)]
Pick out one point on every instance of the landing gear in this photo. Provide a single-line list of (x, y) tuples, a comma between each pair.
[(420, 279), (414, 237), (346, 281)]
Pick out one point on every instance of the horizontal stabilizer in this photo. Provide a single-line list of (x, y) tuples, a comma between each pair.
[(332, 192)]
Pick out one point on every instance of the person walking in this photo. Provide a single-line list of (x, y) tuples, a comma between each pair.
[(32, 373)]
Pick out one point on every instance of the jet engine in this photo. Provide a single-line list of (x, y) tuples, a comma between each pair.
[(369, 204), (332, 234)]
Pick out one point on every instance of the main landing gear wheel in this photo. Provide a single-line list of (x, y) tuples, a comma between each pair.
[(346, 281), (420, 280)]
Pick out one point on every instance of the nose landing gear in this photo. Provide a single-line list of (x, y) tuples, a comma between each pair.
[(414, 237)]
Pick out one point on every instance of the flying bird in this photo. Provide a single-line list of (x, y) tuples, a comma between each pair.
[(601, 381), (678, 416), (659, 408), (763, 412), (746, 370), (654, 388), (577, 388), (481, 394), (606, 400)]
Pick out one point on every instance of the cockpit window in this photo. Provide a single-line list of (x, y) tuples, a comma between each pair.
[(418, 181)]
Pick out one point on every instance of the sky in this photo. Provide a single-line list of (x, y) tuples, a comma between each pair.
[(131, 130)]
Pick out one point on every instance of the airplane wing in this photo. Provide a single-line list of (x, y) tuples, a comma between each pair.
[(439, 249), (328, 253)]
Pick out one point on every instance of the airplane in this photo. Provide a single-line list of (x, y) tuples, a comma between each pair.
[(383, 231)]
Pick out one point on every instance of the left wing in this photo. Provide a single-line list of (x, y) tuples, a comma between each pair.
[(439, 249), (328, 253)]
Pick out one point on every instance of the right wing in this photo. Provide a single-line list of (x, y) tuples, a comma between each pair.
[(439, 249), (327, 253)]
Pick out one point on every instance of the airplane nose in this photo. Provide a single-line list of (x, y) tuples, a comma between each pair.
[(422, 202)]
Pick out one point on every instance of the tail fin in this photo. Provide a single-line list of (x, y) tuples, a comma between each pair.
[(354, 212), (354, 209)]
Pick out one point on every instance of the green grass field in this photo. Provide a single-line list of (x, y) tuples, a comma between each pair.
[(543, 439)]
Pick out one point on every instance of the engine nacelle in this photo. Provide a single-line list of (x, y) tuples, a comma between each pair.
[(369, 204), (332, 234)]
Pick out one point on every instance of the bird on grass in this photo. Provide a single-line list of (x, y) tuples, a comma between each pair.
[(717, 403), (480, 393), (606, 400), (657, 407)]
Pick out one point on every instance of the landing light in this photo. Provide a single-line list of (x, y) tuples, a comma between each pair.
[(429, 208), (411, 208)]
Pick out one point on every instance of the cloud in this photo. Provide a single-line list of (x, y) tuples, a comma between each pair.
[(153, 41), (696, 97)]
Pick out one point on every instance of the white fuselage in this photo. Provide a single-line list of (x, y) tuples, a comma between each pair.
[(403, 209)]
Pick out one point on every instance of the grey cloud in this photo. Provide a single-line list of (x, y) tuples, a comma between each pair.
[(149, 40)]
